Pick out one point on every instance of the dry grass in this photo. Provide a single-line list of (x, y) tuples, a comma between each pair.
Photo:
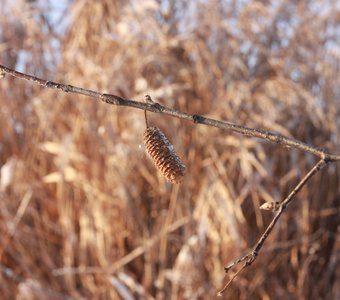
[(83, 212)]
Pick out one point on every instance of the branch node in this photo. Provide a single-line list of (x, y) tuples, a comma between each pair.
[(279, 139), (197, 119), (111, 99), (326, 158), (252, 257), (50, 84), (157, 107), (65, 88)]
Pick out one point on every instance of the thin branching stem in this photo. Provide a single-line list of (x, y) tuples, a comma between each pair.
[(251, 256), (220, 293), (158, 108)]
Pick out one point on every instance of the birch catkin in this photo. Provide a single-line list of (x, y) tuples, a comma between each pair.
[(163, 154)]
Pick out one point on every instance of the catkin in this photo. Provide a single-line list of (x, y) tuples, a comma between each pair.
[(163, 154)]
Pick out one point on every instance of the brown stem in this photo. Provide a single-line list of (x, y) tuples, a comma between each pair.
[(146, 119), (157, 108), (231, 280), (147, 99)]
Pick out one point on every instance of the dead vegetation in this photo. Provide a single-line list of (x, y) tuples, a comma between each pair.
[(83, 211)]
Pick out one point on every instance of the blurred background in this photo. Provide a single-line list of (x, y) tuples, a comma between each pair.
[(84, 214)]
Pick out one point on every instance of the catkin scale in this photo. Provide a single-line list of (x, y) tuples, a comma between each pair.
[(163, 154)]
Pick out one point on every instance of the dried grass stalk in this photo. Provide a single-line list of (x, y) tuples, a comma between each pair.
[(163, 154)]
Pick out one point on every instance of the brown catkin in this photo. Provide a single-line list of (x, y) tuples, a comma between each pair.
[(163, 154)]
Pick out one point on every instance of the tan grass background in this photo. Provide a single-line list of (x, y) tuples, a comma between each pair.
[(83, 212)]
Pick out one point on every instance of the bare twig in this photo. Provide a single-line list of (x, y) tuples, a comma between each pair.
[(251, 256), (157, 108), (220, 293)]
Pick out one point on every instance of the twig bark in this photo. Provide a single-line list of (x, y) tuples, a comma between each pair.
[(158, 108)]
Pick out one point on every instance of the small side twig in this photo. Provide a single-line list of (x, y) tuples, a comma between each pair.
[(220, 293), (251, 256), (147, 99)]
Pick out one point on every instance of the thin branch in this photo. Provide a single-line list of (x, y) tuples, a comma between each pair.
[(157, 108), (220, 293), (251, 256)]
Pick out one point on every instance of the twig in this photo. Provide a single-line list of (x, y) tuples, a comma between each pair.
[(157, 108), (251, 256), (220, 293)]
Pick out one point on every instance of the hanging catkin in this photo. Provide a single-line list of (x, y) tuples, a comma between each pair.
[(163, 154)]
